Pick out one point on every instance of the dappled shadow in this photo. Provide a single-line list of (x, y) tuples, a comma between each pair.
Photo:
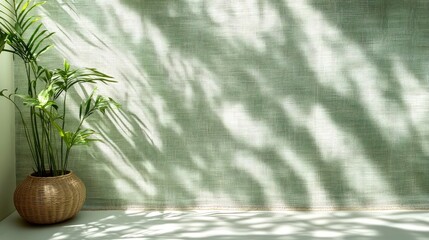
[(260, 105), (134, 224)]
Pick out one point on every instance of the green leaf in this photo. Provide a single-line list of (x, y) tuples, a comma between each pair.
[(80, 111), (8, 8), (28, 101), (47, 105), (2, 92), (40, 42), (88, 106), (82, 137), (66, 65), (68, 138), (3, 37), (35, 35), (42, 51), (43, 96), (7, 14), (23, 14), (25, 6), (29, 22)]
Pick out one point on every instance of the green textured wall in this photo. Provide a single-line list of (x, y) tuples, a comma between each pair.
[(7, 139), (252, 104)]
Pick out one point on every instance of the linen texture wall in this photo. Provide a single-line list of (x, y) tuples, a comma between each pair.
[(251, 104)]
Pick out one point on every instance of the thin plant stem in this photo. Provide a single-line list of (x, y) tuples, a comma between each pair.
[(63, 126)]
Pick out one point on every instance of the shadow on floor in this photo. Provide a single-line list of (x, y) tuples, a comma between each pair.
[(133, 224)]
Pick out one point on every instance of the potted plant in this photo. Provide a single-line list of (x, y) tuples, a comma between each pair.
[(52, 193)]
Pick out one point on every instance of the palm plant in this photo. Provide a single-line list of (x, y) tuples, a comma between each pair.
[(46, 124)]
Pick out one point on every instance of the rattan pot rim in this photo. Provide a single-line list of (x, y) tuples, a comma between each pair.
[(67, 173)]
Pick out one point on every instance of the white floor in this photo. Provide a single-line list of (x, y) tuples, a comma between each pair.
[(105, 225)]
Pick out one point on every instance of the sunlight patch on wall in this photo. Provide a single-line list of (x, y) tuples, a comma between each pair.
[(243, 127), (309, 175), (293, 111), (339, 147), (124, 185), (264, 83), (131, 22), (165, 119), (210, 86), (130, 177), (189, 180), (246, 22), (185, 73), (262, 174), (159, 41), (334, 144), (415, 96), (199, 162), (322, 44)]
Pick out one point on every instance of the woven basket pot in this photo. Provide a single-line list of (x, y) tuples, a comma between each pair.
[(48, 200)]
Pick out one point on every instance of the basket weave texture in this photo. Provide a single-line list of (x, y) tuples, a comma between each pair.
[(48, 200)]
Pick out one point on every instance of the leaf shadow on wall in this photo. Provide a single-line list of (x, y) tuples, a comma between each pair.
[(260, 106), (393, 36)]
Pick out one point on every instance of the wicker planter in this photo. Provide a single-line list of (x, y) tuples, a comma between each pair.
[(48, 200)]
